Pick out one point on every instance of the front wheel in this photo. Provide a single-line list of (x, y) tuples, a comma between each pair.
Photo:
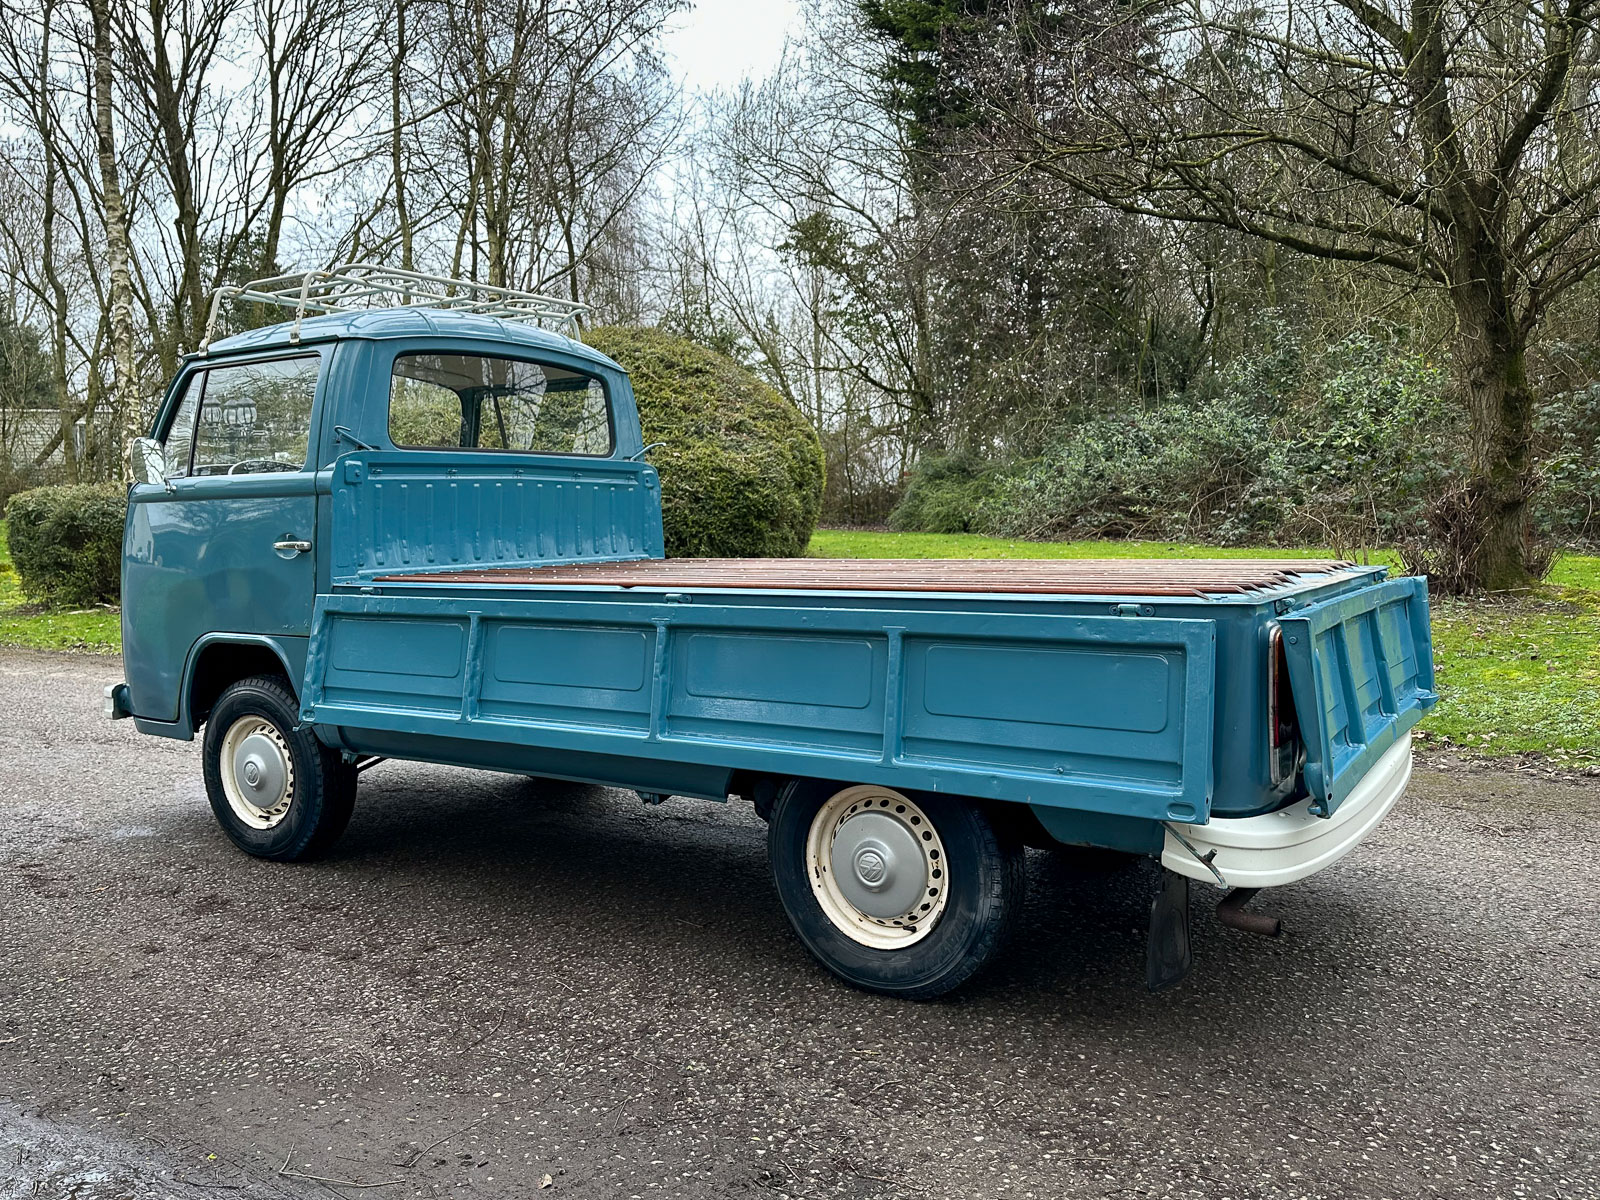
[(907, 896), (276, 791)]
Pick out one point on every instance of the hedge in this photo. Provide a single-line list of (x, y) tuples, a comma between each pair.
[(66, 543), (741, 467)]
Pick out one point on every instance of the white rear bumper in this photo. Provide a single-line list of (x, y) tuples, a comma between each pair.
[(1281, 847)]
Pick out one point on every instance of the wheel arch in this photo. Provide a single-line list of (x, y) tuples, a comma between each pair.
[(220, 659)]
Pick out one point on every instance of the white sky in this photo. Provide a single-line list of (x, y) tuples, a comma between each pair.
[(719, 42)]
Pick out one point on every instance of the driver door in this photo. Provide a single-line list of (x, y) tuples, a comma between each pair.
[(225, 544)]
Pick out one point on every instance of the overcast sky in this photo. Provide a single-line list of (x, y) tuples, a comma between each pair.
[(719, 42)]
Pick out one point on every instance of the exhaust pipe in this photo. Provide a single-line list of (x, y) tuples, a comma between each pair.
[(1230, 911)]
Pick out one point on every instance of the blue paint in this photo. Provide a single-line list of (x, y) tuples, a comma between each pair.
[(289, 651), (1362, 669), (1106, 715), (421, 510), (734, 709), (1107, 830)]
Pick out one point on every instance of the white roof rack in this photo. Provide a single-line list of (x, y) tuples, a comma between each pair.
[(370, 285)]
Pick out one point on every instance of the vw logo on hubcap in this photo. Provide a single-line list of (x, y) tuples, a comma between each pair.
[(870, 867)]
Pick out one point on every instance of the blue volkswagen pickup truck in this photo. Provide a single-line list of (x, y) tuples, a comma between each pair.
[(427, 531)]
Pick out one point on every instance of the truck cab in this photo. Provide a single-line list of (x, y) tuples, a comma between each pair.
[(226, 547)]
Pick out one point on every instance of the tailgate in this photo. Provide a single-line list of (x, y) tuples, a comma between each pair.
[(1361, 667)]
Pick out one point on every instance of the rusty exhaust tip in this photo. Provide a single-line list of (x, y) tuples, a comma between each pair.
[(1230, 911)]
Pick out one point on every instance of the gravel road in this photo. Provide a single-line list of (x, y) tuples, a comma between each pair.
[(496, 980)]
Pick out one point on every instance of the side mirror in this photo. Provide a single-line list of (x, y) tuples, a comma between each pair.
[(148, 461)]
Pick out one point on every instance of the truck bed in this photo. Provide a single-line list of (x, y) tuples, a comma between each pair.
[(1195, 577)]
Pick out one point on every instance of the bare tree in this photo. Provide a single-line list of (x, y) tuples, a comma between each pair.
[(533, 133), (125, 405), (173, 53), (319, 69), (823, 172), (1448, 143), (48, 238)]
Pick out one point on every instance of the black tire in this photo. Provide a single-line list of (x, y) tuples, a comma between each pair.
[(322, 794), (986, 887)]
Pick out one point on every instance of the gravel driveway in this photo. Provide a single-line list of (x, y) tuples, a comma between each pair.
[(496, 980)]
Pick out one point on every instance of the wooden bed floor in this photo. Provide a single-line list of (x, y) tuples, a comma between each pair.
[(1062, 577)]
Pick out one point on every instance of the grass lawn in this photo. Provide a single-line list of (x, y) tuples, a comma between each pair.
[(856, 543), (1514, 675), (22, 624)]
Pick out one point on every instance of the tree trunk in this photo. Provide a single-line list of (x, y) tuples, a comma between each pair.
[(402, 214), (58, 327), (124, 398), (1489, 535), (174, 122)]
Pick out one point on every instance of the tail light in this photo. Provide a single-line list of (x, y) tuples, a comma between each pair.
[(1285, 749)]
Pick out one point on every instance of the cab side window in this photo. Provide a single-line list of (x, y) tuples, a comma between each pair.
[(254, 416)]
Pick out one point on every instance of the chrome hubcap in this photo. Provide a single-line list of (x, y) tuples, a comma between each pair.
[(877, 867), (257, 772)]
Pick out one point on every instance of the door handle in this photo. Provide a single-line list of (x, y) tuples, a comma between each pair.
[(292, 546)]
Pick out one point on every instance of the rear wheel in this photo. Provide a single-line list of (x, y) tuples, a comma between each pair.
[(276, 791), (908, 895)]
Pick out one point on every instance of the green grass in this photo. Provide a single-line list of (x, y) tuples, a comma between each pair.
[(1515, 676), (856, 543), (1522, 675), (1576, 571), (23, 624)]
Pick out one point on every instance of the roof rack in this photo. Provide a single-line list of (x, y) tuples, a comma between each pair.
[(371, 285)]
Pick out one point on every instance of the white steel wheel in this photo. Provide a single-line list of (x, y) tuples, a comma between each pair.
[(257, 772), (877, 867), (277, 791)]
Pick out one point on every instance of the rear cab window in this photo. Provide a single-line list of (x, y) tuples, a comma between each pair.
[(244, 418), (486, 402)]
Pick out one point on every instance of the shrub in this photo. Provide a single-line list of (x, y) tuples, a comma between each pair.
[(1568, 507), (66, 542), (1375, 448), (1353, 449), (1171, 471), (741, 468), (944, 495)]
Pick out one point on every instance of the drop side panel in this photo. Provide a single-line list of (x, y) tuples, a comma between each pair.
[(1108, 714)]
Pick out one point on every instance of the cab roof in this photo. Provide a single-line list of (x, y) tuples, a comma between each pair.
[(405, 322)]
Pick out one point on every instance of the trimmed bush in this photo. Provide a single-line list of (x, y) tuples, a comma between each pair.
[(66, 543), (741, 468)]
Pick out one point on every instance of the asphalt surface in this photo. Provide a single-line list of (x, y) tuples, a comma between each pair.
[(495, 980)]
